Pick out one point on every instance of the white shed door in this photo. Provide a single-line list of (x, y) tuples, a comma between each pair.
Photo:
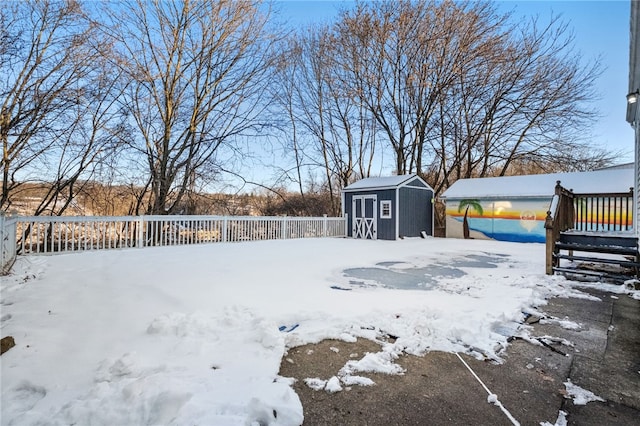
[(365, 217)]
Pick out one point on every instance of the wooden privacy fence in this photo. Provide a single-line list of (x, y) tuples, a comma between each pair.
[(60, 234)]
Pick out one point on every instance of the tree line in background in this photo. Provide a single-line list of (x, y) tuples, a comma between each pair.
[(154, 102)]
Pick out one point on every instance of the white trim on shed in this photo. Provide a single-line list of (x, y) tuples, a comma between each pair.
[(385, 182)]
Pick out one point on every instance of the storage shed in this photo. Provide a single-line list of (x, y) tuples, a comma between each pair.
[(514, 208), (388, 208)]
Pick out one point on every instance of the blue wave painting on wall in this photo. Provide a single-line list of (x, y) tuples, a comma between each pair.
[(508, 229)]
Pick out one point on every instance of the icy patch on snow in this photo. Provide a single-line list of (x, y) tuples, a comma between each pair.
[(581, 396), (408, 276)]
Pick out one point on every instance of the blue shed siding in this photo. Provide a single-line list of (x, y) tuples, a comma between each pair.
[(416, 212), (411, 205), (387, 227), (417, 183), (346, 209)]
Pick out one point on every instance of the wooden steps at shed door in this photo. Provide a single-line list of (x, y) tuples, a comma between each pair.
[(620, 268)]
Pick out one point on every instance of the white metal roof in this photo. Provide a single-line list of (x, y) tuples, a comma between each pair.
[(385, 182), (600, 181)]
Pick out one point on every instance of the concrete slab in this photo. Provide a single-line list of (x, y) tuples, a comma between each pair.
[(438, 389), (615, 377), (528, 383), (601, 414), (590, 340), (581, 310)]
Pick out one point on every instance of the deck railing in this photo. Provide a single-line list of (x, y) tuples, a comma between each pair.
[(590, 212), (61, 234), (560, 217), (603, 212)]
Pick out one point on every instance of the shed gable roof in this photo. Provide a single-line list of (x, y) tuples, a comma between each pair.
[(600, 181), (385, 182)]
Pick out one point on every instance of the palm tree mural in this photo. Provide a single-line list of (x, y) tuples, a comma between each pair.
[(465, 204)]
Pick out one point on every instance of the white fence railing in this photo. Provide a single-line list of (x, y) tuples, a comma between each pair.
[(61, 234)]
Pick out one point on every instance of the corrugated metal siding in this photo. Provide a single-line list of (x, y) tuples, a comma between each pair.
[(416, 212)]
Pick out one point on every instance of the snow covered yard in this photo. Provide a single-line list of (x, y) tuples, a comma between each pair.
[(195, 334)]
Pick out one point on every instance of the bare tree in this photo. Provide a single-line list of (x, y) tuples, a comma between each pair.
[(197, 70), (57, 112), (286, 92), (523, 101), (328, 127), (460, 91), (399, 58)]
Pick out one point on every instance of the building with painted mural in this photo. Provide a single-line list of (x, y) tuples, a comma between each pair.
[(514, 208)]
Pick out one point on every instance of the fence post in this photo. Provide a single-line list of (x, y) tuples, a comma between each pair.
[(346, 225), (224, 229), (284, 228), (140, 232), (324, 225), (550, 241), (8, 249)]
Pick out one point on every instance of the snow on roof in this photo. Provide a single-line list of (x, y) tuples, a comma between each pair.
[(601, 181), (380, 182)]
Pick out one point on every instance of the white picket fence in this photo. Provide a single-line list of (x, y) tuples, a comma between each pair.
[(63, 234)]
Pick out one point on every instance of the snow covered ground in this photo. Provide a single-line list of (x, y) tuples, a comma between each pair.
[(195, 334)]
